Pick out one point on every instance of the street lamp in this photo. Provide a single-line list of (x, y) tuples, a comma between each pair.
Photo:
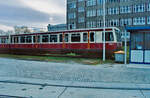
[(104, 42)]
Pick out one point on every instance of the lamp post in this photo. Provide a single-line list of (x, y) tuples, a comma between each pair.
[(104, 42), (125, 45)]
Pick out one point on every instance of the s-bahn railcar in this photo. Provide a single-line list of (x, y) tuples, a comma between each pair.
[(83, 42)]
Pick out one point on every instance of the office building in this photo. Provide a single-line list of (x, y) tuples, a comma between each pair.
[(89, 13)]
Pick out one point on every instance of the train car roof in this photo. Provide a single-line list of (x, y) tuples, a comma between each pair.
[(66, 31)]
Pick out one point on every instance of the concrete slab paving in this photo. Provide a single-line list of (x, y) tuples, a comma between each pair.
[(72, 72), (30, 91), (100, 93), (146, 94), (106, 85), (145, 86), (97, 85)]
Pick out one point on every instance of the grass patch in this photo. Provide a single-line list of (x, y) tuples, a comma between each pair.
[(87, 61), (128, 54), (71, 54)]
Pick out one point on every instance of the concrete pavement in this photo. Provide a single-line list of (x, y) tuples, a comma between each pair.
[(34, 79), (75, 84), (73, 72), (65, 89)]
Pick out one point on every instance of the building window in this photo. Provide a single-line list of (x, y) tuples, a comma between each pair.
[(148, 20), (124, 0), (91, 24), (75, 37), (126, 21), (148, 7), (91, 13), (72, 15), (72, 25), (113, 11), (113, 22), (91, 2), (81, 20), (99, 2), (125, 9), (139, 21), (72, 5), (139, 8), (80, 0), (100, 23), (99, 12), (81, 9), (112, 1)]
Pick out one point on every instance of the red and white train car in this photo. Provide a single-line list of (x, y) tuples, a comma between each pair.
[(83, 41)]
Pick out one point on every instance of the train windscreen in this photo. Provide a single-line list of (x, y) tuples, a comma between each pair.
[(108, 36), (118, 35)]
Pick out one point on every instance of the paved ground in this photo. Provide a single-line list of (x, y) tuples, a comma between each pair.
[(84, 81), (9, 90), (72, 72)]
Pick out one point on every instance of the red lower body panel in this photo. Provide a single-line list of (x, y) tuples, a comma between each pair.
[(79, 48)]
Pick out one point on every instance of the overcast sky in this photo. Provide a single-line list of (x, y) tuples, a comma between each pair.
[(32, 13)]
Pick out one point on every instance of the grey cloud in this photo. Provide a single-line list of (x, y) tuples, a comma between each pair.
[(22, 14), (12, 12)]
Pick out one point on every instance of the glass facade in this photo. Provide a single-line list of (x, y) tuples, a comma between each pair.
[(140, 41)]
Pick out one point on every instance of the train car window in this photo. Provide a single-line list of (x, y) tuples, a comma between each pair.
[(3, 40), (118, 35), (85, 37), (66, 37), (16, 39), (75, 37), (45, 38), (53, 38), (22, 39), (7, 39), (11, 40), (28, 39), (36, 39), (60, 37), (92, 37), (108, 36)]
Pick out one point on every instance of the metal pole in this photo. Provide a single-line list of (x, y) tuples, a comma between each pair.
[(104, 43), (125, 44)]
